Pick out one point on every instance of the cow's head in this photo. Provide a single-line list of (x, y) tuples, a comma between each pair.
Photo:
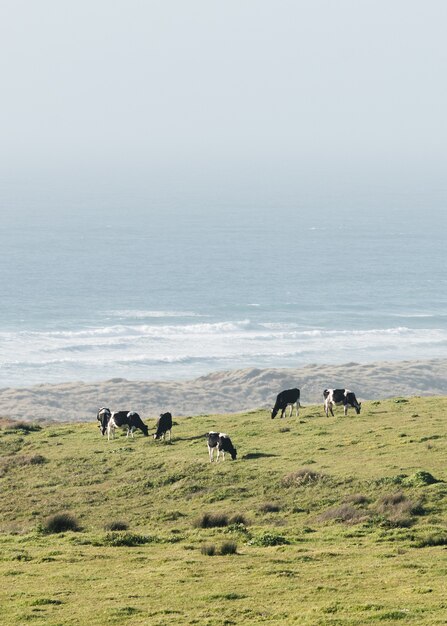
[(358, 407), (274, 413), (145, 430), (233, 454), (103, 417)]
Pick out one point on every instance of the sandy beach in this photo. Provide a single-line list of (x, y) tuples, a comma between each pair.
[(222, 392)]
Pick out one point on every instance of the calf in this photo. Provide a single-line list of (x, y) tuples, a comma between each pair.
[(164, 425), (222, 443), (340, 396), (128, 419), (103, 417), (288, 397)]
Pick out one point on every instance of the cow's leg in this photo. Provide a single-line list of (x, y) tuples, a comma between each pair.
[(297, 408), (326, 408), (211, 453), (291, 410), (345, 409)]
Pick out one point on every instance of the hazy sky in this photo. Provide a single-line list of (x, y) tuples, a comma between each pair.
[(262, 99)]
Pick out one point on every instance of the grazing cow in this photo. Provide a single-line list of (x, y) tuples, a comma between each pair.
[(128, 419), (222, 443), (340, 396), (288, 397), (164, 425), (103, 419)]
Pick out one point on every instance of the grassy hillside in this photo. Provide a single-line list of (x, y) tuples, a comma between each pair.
[(333, 520)]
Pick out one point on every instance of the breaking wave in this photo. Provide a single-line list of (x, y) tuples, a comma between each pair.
[(186, 349)]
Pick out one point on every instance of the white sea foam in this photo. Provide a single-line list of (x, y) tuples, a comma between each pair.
[(140, 314), (183, 350)]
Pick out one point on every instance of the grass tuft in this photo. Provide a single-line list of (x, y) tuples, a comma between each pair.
[(398, 510), (346, 513), (116, 525), (431, 540), (269, 507), (208, 549), (120, 538), (228, 547), (59, 523), (304, 476), (267, 539)]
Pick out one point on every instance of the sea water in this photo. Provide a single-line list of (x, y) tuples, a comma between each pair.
[(155, 293)]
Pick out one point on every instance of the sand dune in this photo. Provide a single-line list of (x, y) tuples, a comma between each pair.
[(222, 392)]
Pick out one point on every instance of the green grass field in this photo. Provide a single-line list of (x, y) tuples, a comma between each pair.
[(334, 521)]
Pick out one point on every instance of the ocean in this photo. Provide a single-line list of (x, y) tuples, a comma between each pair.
[(91, 293)]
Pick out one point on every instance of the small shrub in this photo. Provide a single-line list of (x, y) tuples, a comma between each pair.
[(269, 507), (268, 539), (59, 523), (398, 509), (420, 479), (26, 427), (357, 498), (36, 459), (119, 538), (209, 549), (304, 476), (212, 520), (45, 602), (116, 525), (431, 540), (238, 519), (228, 547), (344, 513)]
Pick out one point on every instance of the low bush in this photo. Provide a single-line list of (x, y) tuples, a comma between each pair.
[(59, 523), (431, 540), (304, 476), (357, 498), (269, 507), (228, 547), (346, 513), (268, 539), (119, 538), (27, 427), (419, 479), (398, 510), (212, 520), (209, 549), (116, 525)]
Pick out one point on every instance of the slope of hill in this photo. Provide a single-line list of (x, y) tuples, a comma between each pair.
[(319, 521)]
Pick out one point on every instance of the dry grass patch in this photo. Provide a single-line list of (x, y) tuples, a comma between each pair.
[(303, 476)]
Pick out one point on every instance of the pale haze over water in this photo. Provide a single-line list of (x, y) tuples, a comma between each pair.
[(190, 187)]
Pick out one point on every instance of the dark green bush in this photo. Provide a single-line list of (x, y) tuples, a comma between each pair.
[(228, 547), (59, 523)]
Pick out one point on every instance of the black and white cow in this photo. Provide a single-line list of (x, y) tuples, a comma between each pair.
[(288, 397), (164, 425), (222, 443), (128, 419), (340, 396), (103, 417)]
